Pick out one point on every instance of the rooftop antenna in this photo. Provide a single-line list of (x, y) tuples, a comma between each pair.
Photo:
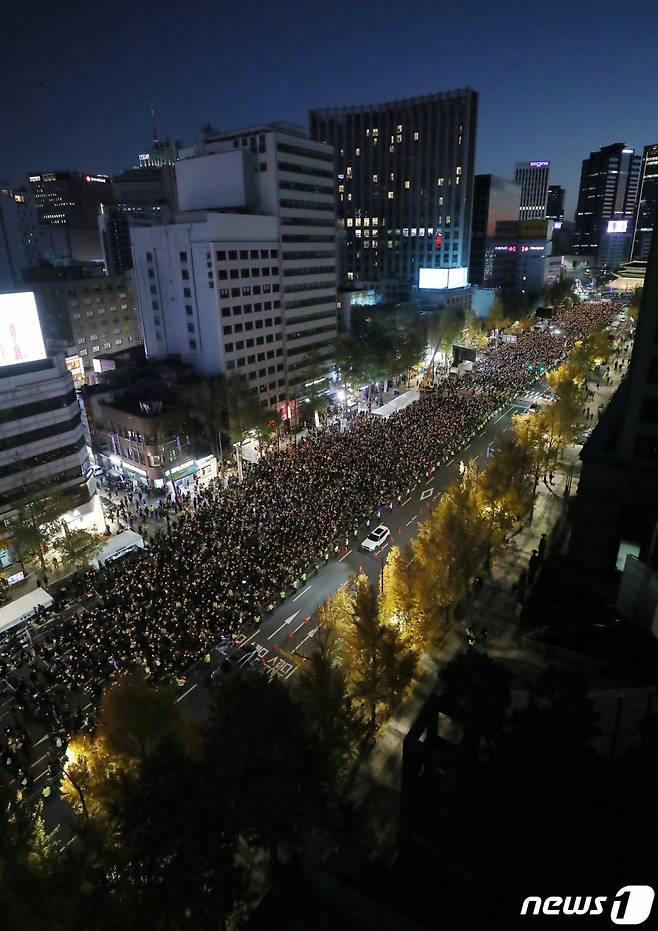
[(152, 111)]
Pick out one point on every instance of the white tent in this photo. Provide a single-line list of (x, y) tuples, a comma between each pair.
[(397, 404), (117, 546), (23, 608)]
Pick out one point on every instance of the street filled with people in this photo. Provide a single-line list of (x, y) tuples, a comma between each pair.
[(223, 557)]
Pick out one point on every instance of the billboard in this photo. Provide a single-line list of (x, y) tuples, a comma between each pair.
[(463, 354), (617, 226), (437, 279), (20, 330)]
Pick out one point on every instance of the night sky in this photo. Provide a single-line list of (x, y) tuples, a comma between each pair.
[(555, 79)]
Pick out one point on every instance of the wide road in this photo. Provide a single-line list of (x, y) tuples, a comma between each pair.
[(286, 635), (282, 640)]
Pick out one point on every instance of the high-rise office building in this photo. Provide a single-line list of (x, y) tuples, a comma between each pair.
[(646, 218), (404, 184), (93, 316), (144, 196), (245, 280), (494, 199), (555, 203), (533, 178), (607, 203), (42, 444), (20, 239), (67, 205)]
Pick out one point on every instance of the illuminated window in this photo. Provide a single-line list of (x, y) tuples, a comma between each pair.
[(390, 243), (366, 245), (416, 137), (430, 230), (349, 171), (357, 222), (366, 233), (375, 221), (375, 131), (458, 170), (439, 182), (414, 231), (440, 202), (366, 221), (341, 188), (357, 233), (350, 276), (459, 141), (349, 197), (367, 132), (448, 220), (391, 148), (392, 176), (358, 151), (407, 185), (399, 138), (391, 195), (392, 138), (375, 178), (349, 221), (457, 180), (400, 128)]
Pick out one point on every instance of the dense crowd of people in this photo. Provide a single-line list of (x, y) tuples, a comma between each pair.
[(228, 554)]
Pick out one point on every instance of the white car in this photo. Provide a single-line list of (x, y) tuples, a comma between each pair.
[(376, 538)]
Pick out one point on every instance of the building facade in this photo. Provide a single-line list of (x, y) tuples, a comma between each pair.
[(494, 199), (144, 196), (555, 202), (616, 508), (42, 443), (403, 185), (646, 219), (533, 178), (245, 280), (93, 316), (146, 442), (67, 204), (21, 245), (520, 256), (607, 204)]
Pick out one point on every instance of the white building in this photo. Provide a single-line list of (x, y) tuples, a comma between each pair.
[(245, 280)]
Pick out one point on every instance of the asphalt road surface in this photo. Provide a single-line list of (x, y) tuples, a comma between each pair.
[(286, 636)]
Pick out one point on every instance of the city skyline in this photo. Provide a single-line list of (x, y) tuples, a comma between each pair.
[(215, 67)]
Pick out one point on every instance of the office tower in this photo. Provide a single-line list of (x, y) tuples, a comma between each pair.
[(20, 238), (245, 280), (93, 316), (616, 508), (42, 446), (520, 256), (533, 178), (67, 205), (404, 186), (555, 203), (144, 196), (607, 203), (494, 199), (647, 205)]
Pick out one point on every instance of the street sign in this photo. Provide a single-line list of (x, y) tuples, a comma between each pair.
[(508, 338)]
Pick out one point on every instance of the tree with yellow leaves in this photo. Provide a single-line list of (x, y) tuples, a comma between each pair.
[(452, 546), (506, 490), (378, 664)]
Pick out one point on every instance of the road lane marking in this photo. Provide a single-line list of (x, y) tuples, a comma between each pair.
[(451, 462), (307, 589), (427, 493), (307, 637), (41, 740), (287, 621), (305, 621), (408, 500), (191, 689), (501, 417), (40, 758), (345, 556), (412, 519)]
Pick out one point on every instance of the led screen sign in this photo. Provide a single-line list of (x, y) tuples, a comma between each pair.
[(437, 279), (20, 330), (617, 226)]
